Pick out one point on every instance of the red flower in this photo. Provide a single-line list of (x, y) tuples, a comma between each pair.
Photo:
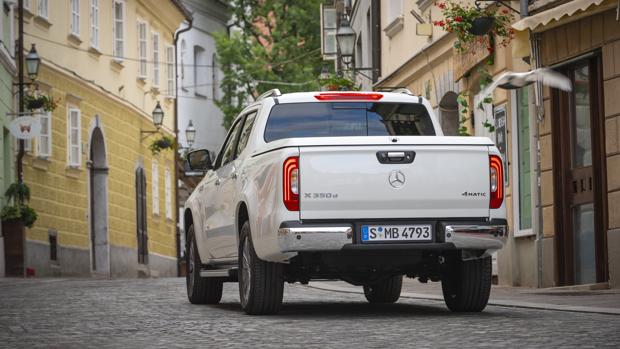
[(441, 5), (458, 19), (490, 49), (505, 11), (442, 23)]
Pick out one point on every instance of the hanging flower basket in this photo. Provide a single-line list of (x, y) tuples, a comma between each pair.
[(470, 23), (47, 103), (162, 143)]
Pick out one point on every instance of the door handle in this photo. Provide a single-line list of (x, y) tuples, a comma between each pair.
[(217, 181), (395, 157), (233, 175)]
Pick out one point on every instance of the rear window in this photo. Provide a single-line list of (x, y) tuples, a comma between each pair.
[(298, 120)]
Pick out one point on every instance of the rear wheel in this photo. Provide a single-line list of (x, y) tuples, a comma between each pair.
[(199, 290), (386, 291), (467, 285), (261, 283)]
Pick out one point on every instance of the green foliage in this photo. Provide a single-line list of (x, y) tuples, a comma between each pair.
[(162, 143), (461, 99), (18, 194), (278, 41), (337, 83)]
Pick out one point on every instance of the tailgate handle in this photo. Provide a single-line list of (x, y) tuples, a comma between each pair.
[(395, 157)]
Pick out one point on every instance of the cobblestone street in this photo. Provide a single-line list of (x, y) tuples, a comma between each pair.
[(155, 313)]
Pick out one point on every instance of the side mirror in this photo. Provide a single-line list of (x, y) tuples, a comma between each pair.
[(199, 160)]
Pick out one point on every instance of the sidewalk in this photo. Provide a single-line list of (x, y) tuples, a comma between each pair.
[(576, 299)]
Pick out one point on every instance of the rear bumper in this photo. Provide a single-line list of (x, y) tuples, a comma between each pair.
[(298, 237)]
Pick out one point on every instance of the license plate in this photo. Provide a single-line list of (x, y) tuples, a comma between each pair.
[(414, 232)]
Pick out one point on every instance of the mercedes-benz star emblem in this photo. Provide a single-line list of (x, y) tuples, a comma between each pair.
[(396, 179)]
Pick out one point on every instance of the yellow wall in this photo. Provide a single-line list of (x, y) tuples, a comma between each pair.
[(75, 73)]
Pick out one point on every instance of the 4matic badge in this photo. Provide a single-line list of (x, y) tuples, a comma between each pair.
[(473, 194)]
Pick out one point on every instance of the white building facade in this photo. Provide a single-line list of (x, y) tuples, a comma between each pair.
[(200, 76)]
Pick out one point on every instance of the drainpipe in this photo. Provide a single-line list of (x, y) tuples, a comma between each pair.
[(176, 135)]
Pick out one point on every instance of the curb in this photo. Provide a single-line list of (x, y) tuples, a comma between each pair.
[(494, 302)]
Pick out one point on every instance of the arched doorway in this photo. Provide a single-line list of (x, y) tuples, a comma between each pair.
[(98, 195), (449, 114)]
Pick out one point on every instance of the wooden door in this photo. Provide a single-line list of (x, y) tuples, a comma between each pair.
[(579, 168), (142, 232)]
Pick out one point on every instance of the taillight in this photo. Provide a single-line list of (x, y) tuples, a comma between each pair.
[(291, 183), (349, 96), (497, 181)]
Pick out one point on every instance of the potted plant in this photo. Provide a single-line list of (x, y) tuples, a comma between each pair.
[(162, 143), (47, 103), (338, 83), (469, 23), (15, 216)]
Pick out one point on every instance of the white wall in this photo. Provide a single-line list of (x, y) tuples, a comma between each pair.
[(196, 103)]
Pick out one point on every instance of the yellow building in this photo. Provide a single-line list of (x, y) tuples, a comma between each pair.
[(106, 203)]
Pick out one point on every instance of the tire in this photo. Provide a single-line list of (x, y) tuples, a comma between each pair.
[(386, 291), (261, 284), (467, 286), (199, 290)]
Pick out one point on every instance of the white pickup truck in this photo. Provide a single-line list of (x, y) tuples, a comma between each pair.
[(354, 186)]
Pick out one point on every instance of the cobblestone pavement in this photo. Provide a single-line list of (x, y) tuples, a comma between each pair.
[(137, 313)]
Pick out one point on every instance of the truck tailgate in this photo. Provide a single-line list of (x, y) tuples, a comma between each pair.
[(350, 182)]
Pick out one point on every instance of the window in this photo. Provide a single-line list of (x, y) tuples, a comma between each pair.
[(329, 25), (74, 138), (26, 4), (44, 140), (155, 187), (523, 177), (183, 57), (227, 152), (245, 133), (215, 78), (347, 119), (94, 23), (119, 33), (142, 52), (170, 91), (168, 193), (200, 71), (42, 10), (75, 17), (156, 59)]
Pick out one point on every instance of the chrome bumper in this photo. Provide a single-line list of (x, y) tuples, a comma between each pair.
[(477, 237), (334, 238), (295, 239)]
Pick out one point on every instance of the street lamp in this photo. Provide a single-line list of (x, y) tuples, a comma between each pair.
[(190, 134), (158, 118), (158, 115), (345, 37), (32, 63)]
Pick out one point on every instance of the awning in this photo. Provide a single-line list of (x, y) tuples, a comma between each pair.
[(555, 14)]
